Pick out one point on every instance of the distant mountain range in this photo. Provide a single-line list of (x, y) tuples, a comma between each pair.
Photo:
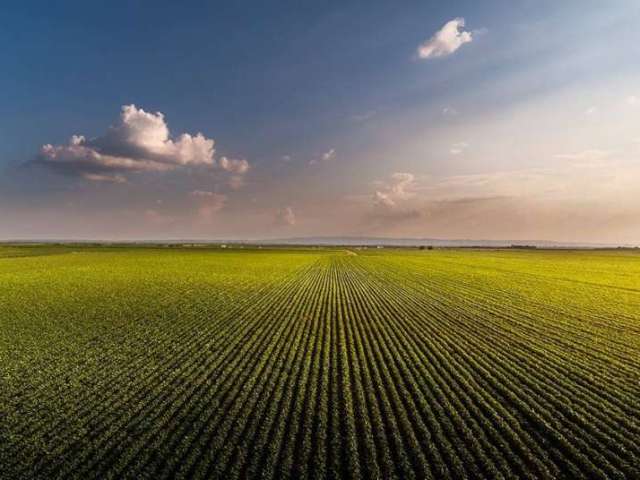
[(435, 242), (343, 241)]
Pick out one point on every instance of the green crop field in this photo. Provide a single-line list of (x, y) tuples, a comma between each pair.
[(157, 363)]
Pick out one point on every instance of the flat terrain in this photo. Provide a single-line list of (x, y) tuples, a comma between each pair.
[(209, 363)]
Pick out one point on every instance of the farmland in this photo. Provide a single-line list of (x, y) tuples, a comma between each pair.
[(145, 362)]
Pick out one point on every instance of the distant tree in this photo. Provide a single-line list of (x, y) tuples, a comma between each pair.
[(421, 247), (430, 247)]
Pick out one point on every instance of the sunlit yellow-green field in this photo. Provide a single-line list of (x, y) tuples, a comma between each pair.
[(142, 362)]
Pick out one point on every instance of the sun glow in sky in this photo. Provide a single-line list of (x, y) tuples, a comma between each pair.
[(483, 120)]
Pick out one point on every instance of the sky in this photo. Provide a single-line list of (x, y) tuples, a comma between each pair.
[(494, 120)]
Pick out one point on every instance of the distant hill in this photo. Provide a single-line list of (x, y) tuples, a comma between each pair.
[(335, 241), (436, 242)]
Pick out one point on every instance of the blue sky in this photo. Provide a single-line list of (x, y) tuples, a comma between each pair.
[(328, 104)]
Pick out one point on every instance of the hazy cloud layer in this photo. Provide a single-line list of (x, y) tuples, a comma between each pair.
[(591, 157), (208, 204), (458, 148), (390, 201), (398, 188), (449, 112), (522, 203)]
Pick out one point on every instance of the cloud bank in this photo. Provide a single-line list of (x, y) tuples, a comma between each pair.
[(446, 40)]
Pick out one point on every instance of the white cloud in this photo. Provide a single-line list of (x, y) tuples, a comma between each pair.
[(234, 165), (591, 110), (458, 148), (139, 142), (446, 40), (329, 155), (203, 194), (97, 177), (141, 135), (286, 216), (633, 100), (325, 157)]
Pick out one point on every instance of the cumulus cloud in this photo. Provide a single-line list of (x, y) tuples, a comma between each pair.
[(234, 165), (77, 158), (286, 216), (140, 141), (446, 40)]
